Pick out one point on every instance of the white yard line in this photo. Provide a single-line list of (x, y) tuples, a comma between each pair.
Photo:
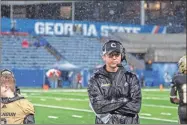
[(158, 119), (156, 98), (35, 94), (86, 100), (84, 110), (53, 117), (146, 114), (60, 107), (76, 116), (159, 106), (73, 94), (58, 93), (154, 90), (165, 113), (58, 99), (53, 90), (42, 99)]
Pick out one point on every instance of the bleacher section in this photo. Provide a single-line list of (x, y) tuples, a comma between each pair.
[(13, 55), (84, 52), (80, 51)]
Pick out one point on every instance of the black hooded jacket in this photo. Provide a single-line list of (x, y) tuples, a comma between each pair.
[(115, 93)]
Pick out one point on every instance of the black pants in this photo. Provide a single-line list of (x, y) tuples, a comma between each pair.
[(182, 112), (120, 119)]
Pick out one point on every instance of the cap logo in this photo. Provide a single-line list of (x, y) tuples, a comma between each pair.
[(113, 45)]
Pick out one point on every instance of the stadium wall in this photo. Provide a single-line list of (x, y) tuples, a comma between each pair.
[(29, 77), (37, 77), (159, 73), (69, 28), (152, 78)]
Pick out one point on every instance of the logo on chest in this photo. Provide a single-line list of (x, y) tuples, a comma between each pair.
[(126, 84), (105, 84), (8, 114)]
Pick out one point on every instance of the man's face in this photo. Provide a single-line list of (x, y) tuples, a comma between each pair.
[(6, 81), (112, 59), (3, 90)]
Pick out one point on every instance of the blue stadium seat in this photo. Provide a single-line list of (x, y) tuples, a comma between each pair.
[(84, 52)]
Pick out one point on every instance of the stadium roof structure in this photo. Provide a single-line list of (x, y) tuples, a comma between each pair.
[(150, 38), (15, 2)]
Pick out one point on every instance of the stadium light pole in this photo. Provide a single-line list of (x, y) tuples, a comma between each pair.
[(11, 14), (142, 13), (73, 11), (0, 16), (0, 32)]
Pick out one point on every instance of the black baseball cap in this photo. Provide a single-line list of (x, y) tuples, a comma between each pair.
[(112, 46)]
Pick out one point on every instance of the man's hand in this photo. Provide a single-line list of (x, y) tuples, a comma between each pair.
[(174, 100)]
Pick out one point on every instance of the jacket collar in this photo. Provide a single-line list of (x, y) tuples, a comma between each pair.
[(102, 70)]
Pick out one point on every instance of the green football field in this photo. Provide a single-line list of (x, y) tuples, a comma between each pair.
[(65, 106)]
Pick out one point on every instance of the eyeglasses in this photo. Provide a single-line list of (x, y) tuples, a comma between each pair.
[(7, 72)]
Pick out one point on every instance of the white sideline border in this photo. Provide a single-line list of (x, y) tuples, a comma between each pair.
[(89, 111), (76, 90)]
